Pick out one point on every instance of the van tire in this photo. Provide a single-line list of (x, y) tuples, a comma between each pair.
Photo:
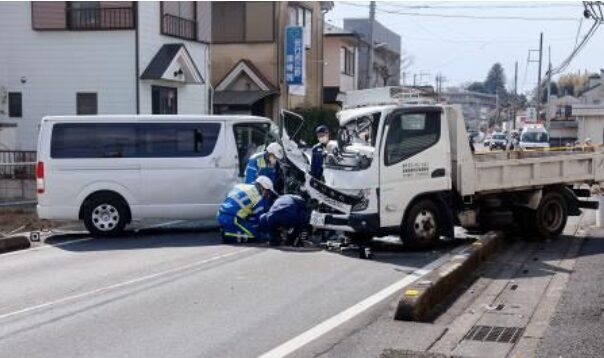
[(105, 215), (422, 227), (551, 215)]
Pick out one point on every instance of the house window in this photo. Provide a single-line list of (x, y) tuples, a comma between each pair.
[(347, 61), (86, 103), (301, 16), (164, 100), (84, 14), (15, 105), (240, 22)]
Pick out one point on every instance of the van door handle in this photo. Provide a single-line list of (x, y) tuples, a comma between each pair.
[(438, 173)]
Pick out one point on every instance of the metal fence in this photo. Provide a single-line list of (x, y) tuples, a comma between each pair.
[(17, 164)]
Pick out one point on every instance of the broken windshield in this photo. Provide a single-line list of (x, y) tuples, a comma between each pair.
[(359, 131)]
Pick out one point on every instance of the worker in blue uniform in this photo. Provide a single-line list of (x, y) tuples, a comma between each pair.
[(239, 214), (318, 152), (265, 163), (288, 213)]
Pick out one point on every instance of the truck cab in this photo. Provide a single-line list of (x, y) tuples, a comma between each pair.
[(391, 170)]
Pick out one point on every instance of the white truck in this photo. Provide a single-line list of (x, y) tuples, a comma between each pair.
[(412, 173)]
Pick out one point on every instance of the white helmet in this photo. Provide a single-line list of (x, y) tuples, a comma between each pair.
[(275, 149), (265, 182)]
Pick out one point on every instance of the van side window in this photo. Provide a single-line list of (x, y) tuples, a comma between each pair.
[(93, 140), (410, 134), (167, 140), (133, 140), (251, 138)]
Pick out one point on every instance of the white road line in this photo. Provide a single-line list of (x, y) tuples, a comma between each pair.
[(122, 284), (49, 246), (353, 311), (162, 224)]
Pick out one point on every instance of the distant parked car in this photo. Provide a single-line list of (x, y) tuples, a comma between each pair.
[(498, 141), (110, 170), (487, 140)]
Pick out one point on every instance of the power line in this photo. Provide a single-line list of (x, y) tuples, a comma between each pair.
[(486, 7), (475, 17)]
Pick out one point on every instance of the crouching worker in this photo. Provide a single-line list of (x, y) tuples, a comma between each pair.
[(288, 213), (239, 214)]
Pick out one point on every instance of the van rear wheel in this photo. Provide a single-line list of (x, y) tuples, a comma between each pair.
[(422, 227), (105, 215)]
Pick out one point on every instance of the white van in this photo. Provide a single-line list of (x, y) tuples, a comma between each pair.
[(534, 137), (110, 170)]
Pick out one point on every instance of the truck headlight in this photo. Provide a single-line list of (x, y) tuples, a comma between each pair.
[(364, 201)]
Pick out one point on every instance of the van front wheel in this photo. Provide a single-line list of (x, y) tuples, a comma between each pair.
[(105, 215)]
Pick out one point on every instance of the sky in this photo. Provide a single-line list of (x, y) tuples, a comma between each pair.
[(464, 48)]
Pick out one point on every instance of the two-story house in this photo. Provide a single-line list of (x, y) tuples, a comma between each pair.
[(341, 64), (248, 55), (103, 57)]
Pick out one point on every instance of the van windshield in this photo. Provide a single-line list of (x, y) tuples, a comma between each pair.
[(535, 137)]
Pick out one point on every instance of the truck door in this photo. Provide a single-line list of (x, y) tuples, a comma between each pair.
[(415, 159)]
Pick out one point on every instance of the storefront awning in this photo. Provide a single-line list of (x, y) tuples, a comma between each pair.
[(246, 98)]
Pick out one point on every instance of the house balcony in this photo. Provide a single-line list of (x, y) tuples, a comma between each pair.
[(117, 18), (179, 27)]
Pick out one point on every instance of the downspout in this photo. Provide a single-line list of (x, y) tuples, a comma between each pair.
[(136, 56)]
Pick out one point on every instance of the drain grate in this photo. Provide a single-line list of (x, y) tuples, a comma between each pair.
[(494, 334)]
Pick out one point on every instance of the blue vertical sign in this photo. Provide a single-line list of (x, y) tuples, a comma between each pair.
[(294, 51)]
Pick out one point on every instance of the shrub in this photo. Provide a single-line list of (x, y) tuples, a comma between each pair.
[(314, 117)]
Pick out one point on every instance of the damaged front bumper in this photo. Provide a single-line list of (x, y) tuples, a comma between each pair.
[(362, 223)]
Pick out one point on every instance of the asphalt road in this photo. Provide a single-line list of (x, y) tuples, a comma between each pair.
[(183, 294)]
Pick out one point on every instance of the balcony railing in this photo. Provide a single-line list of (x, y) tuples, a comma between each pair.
[(116, 18), (179, 27)]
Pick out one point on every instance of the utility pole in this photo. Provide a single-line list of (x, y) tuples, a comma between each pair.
[(539, 77), (549, 86), (371, 42), (514, 101)]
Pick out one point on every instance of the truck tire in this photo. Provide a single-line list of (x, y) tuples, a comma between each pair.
[(105, 215), (422, 226), (551, 215)]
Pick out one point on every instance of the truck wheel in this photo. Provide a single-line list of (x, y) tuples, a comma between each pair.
[(105, 215), (551, 215), (422, 226)]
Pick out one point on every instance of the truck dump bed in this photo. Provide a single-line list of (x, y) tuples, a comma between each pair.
[(516, 170)]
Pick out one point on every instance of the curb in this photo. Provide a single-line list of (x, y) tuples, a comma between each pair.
[(14, 243), (421, 297)]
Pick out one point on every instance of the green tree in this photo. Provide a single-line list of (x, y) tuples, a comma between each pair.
[(477, 87), (495, 82)]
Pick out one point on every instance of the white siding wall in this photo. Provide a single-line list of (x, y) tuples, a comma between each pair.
[(192, 99), (56, 65)]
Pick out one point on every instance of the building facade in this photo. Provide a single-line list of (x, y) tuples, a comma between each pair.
[(385, 69), (66, 58), (476, 106), (247, 70), (340, 65)]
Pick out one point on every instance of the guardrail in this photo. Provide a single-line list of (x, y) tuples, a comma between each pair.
[(17, 164), (17, 176)]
